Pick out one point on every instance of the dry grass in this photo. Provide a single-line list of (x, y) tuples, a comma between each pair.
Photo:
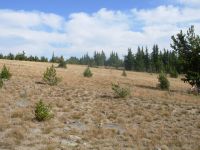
[(88, 116)]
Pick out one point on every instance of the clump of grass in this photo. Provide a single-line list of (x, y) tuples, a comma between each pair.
[(87, 72), (120, 91), (5, 73), (124, 73), (163, 81), (50, 77), (42, 111)]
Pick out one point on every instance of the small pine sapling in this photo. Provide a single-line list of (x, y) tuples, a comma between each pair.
[(5, 73), (50, 77), (87, 72)]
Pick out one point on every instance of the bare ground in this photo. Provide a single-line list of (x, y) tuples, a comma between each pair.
[(88, 116)]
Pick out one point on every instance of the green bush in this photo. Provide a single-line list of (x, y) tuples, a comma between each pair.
[(173, 73), (62, 63), (42, 111), (120, 91), (5, 73), (87, 72), (1, 82), (163, 81), (124, 73), (50, 77)]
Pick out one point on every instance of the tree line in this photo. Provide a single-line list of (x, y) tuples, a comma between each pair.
[(156, 61), (142, 60)]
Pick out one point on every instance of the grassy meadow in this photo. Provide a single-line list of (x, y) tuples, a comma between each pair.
[(88, 115)]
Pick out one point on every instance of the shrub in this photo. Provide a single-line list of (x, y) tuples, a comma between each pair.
[(173, 73), (124, 73), (120, 91), (87, 72), (163, 81), (1, 82), (50, 77), (5, 73), (62, 63), (42, 111)]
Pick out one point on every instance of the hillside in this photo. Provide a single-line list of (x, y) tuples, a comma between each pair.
[(87, 115)]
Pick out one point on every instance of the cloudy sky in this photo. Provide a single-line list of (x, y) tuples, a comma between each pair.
[(74, 27)]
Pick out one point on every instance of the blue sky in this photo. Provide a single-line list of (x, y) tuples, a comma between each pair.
[(74, 27), (65, 7)]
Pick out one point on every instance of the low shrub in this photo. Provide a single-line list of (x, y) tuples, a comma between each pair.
[(173, 73), (42, 111), (50, 77), (163, 81), (124, 73), (120, 91), (87, 72), (5, 73)]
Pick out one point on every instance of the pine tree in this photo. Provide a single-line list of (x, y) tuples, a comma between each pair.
[(139, 60), (147, 60), (188, 48), (129, 60), (62, 63), (53, 59)]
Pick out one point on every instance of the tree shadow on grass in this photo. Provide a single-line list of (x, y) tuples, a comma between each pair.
[(157, 88)]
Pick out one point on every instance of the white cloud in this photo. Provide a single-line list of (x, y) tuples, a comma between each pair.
[(41, 33)]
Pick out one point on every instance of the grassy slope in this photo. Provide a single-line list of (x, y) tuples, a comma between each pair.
[(87, 116)]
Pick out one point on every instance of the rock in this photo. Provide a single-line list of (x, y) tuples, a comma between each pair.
[(77, 125), (164, 147), (74, 138), (113, 126), (67, 143), (66, 129), (22, 103)]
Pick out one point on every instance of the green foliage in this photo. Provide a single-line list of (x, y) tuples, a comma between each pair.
[(87, 72), (173, 73), (193, 78), (62, 63), (120, 91), (188, 48), (42, 111), (124, 73), (50, 77), (5, 73), (129, 60), (163, 81), (1, 83), (21, 56)]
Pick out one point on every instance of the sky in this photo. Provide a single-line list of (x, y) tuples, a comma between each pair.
[(75, 27)]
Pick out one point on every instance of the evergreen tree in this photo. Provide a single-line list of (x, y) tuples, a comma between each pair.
[(187, 47), (1, 56), (21, 56), (139, 60), (147, 60), (53, 59), (62, 63), (114, 60), (73, 60), (129, 60), (10, 56)]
